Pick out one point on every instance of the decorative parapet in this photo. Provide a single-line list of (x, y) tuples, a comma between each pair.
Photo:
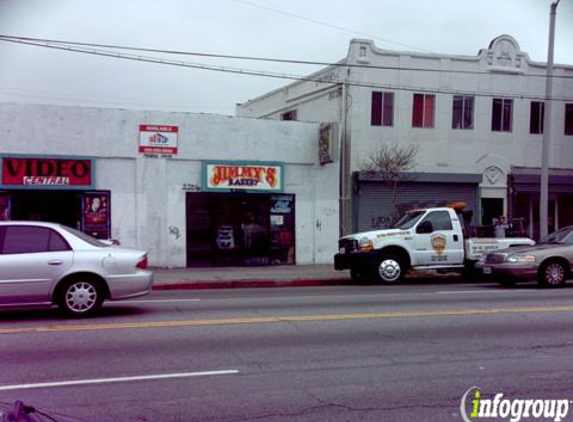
[(504, 55)]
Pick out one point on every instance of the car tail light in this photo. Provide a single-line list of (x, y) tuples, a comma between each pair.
[(142, 264)]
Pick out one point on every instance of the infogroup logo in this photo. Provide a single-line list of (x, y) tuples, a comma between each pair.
[(474, 407)]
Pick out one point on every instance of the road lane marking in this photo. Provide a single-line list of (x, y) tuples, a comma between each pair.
[(152, 301), (292, 318), (459, 292), (115, 380)]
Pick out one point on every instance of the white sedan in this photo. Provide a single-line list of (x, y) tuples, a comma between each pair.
[(47, 263)]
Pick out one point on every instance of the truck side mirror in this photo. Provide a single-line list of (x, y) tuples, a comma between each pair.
[(425, 227)]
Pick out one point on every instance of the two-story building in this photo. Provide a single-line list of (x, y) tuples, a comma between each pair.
[(476, 121)]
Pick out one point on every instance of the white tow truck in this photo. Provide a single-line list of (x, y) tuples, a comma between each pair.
[(422, 239)]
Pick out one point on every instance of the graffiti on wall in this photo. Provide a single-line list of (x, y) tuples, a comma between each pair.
[(382, 221), (174, 231)]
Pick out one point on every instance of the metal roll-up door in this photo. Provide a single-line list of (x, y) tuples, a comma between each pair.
[(374, 209)]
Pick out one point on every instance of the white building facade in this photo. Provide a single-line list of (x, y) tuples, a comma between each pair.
[(192, 189), (477, 122)]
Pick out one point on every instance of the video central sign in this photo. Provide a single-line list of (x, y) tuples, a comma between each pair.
[(47, 172)]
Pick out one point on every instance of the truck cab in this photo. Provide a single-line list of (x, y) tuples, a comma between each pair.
[(426, 238)]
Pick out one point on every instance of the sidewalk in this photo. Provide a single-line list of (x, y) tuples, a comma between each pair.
[(269, 276), (243, 277)]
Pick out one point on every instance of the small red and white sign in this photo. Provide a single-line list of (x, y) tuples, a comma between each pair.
[(158, 139)]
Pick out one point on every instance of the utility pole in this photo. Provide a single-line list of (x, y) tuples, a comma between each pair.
[(547, 126), (344, 161)]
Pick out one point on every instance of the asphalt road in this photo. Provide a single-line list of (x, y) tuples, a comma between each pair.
[(356, 353)]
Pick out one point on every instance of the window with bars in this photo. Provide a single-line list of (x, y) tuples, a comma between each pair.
[(536, 116), (382, 110), (501, 115), (463, 112), (423, 110)]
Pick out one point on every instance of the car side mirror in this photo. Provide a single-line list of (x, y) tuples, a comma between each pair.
[(425, 227)]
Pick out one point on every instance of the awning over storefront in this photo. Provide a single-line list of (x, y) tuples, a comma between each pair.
[(531, 183)]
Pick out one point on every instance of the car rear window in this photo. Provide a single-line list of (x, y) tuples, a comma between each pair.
[(29, 239), (85, 237)]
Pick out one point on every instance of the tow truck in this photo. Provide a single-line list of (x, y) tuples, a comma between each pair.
[(421, 239)]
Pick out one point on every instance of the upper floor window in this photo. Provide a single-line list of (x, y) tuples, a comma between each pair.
[(423, 110), (536, 117), (382, 111), (501, 115), (569, 119), (289, 115), (463, 112)]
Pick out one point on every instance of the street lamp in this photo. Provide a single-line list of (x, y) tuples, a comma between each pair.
[(547, 127)]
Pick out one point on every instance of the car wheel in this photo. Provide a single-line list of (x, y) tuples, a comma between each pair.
[(389, 270), (80, 297), (552, 273)]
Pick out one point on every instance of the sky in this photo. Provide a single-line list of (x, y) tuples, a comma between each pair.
[(316, 30)]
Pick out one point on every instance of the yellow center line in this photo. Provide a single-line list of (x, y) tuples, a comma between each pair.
[(291, 318)]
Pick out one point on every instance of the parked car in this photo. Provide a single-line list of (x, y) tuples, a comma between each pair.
[(51, 264), (550, 261)]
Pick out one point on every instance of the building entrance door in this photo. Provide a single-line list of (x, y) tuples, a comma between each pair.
[(239, 229), (491, 210)]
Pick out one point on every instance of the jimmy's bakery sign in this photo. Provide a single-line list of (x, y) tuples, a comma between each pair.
[(253, 176), (28, 172)]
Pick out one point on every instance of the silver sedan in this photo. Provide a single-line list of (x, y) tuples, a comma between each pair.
[(47, 264), (550, 261)]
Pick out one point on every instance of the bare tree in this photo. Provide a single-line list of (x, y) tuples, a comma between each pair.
[(391, 163)]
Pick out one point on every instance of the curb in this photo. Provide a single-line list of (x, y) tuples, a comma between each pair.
[(249, 284)]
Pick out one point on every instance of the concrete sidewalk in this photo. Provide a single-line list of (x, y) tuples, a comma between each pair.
[(243, 277), (270, 276)]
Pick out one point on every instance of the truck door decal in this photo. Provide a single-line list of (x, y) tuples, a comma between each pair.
[(439, 243)]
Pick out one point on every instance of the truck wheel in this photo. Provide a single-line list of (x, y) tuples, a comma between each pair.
[(552, 274), (389, 270)]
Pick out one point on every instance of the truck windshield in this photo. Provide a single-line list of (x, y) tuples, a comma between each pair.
[(407, 220)]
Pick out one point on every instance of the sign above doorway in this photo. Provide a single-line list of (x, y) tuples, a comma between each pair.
[(46, 172), (243, 176)]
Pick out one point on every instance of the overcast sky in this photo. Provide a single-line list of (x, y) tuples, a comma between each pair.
[(297, 29)]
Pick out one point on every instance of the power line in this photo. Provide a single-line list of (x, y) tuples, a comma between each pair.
[(9, 38), (116, 101), (328, 81), (329, 25)]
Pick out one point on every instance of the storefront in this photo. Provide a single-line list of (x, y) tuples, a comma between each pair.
[(241, 217), (524, 197), (58, 189), (190, 189), (377, 204)]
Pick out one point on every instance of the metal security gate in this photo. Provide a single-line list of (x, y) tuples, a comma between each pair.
[(373, 199)]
